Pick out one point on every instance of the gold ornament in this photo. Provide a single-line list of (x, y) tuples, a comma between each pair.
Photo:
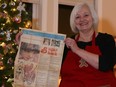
[(28, 24), (13, 9), (3, 44), (1, 65), (12, 3)]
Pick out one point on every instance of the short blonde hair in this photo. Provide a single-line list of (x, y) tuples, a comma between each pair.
[(76, 9)]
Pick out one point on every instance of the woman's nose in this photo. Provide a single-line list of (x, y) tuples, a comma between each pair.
[(82, 19)]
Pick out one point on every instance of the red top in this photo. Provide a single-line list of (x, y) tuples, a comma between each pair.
[(76, 72)]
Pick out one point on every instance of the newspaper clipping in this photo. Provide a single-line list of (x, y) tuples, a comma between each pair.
[(39, 58)]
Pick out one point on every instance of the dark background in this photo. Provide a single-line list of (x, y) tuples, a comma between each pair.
[(64, 19)]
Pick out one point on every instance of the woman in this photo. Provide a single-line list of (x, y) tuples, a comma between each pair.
[(89, 55)]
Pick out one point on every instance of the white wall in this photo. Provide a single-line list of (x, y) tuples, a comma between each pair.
[(107, 14)]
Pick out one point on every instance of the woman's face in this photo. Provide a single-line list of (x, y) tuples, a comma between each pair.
[(83, 19)]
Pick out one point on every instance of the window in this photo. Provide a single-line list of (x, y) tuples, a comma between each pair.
[(33, 8)]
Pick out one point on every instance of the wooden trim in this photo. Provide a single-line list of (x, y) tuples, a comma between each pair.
[(55, 18), (31, 1), (36, 17), (64, 2), (73, 2)]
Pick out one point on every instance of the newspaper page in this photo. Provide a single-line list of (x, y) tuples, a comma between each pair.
[(38, 60)]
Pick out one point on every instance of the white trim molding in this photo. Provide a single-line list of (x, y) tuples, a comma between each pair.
[(55, 18), (98, 6), (43, 16), (64, 2), (31, 1)]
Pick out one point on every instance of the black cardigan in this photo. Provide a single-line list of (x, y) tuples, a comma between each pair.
[(106, 44)]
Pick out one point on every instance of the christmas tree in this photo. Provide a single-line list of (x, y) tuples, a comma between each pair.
[(13, 15)]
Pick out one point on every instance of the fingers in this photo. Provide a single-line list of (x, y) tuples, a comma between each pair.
[(17, 38), (69, 42)]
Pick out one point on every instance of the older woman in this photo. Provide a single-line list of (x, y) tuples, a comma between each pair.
[(89, 55)]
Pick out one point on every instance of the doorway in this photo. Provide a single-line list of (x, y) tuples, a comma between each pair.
[(64, 20)]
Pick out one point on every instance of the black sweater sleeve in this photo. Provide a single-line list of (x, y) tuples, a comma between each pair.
[(107, 46)]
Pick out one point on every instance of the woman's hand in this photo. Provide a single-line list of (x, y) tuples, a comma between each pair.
[(114, 70), (71, 43), (17, 38), (91, 58)]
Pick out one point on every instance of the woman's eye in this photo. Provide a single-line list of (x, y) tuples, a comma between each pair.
[(77, 17), (86, 15)]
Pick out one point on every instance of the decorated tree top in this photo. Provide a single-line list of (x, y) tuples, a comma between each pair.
[(12, 16)]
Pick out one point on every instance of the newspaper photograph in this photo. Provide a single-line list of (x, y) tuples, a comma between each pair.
[(39, 58)]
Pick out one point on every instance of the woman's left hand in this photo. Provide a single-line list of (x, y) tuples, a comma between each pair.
[(17, 38)]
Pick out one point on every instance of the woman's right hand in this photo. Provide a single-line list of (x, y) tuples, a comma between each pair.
[(71, 43), (17, 38)]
